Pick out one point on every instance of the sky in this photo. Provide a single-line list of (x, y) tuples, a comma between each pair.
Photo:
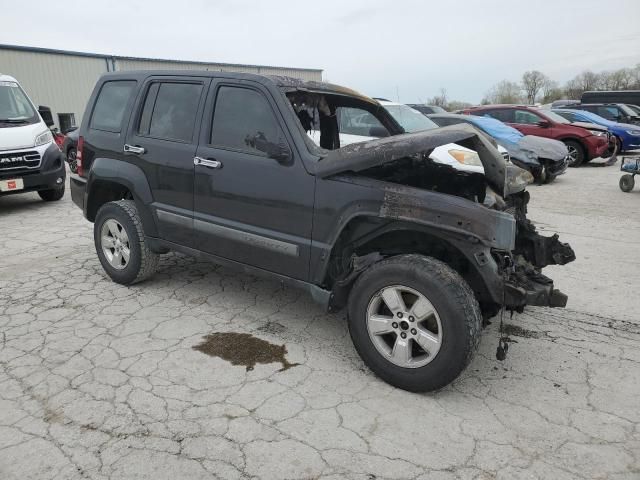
[(397, 49)]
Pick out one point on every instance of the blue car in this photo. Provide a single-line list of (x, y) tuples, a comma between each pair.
[(627, 135)]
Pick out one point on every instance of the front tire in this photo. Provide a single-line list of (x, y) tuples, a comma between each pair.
[(577, 154), (52, 195), (414, 321), (120, 243)]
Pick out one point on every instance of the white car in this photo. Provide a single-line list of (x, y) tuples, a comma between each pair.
[(452, 154)]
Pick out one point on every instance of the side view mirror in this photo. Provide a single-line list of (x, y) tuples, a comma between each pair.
[(544, 124), (47, 117), (278, 151)]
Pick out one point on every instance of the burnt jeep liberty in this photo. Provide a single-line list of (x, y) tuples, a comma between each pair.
[(248, 170)]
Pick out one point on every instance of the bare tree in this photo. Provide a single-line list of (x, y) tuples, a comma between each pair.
[(551, 91), (440, 100), (635, 77), (454, 105), (617, 79), (532, 83), (503, 92)]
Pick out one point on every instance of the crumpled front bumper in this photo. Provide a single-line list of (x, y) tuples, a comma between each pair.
[(527, 286), (524, 282)]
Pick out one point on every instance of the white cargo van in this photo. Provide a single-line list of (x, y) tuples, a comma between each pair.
[(30, 161)]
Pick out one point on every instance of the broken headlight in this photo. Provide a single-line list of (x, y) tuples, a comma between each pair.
[(517, 179), (466, 157)]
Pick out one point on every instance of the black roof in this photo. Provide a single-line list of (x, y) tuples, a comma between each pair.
[(281, 81)]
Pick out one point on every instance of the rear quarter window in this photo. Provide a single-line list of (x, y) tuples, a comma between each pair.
[(111, 104)]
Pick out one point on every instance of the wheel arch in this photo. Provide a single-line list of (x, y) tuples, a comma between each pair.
[(366, 236), (578, 140), (111, 180)]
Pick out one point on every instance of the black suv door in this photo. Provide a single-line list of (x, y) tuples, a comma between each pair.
[(162, 140), (253, 203)]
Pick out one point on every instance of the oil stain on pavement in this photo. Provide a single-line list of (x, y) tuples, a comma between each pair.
[(243, 349)]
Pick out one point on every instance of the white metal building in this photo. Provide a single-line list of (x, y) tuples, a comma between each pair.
[(64, 80)]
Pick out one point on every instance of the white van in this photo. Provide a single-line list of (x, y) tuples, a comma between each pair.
[(30, 161)]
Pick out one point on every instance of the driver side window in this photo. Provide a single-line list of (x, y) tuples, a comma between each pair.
[(526, 118), (242, 120)]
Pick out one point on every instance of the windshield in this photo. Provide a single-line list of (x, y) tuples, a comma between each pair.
[(555, 117), (409, 119), (635, 108), (627, 111), (15, 107), (584, 116)]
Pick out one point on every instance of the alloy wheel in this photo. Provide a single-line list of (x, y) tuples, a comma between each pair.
[(72, 161), (115, 244), (404, 326), (573, 154)]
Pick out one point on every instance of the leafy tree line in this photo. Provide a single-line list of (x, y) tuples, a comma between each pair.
[(536, 87)]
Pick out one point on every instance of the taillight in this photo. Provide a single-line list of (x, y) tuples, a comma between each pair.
[(79, 148)]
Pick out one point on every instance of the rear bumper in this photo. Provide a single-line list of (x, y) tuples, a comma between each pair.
[(78, 187)]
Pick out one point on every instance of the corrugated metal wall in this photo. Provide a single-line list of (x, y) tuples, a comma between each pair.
[(64, 81), (141, 64), (61, 82)]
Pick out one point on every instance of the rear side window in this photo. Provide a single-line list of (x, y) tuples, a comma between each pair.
[(506, 115), (241, 116), (111, 104), (170, 111)]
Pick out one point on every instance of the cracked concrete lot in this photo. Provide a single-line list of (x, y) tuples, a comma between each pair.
[(101, 381)]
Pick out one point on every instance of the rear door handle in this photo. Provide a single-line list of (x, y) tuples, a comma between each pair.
[(205, 162), (134, 149)]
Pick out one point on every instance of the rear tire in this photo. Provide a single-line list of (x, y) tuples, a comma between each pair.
[(72, 160), (52, 195), (451, 331), (120, 243), (576, 153), (627, 182)]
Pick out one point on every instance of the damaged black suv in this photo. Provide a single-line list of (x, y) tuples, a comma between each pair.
[(319, 187)]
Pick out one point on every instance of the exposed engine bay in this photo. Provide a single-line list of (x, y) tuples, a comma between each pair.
[(403, 159)]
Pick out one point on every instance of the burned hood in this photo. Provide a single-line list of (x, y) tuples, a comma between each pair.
[(544, 147), (361, 156)]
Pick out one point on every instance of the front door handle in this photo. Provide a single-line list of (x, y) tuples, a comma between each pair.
[(205, 162), (134, 149)]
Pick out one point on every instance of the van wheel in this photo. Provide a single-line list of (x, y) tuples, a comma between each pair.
[(576, 153), (414, 321), (52, 195), (120, 243)]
